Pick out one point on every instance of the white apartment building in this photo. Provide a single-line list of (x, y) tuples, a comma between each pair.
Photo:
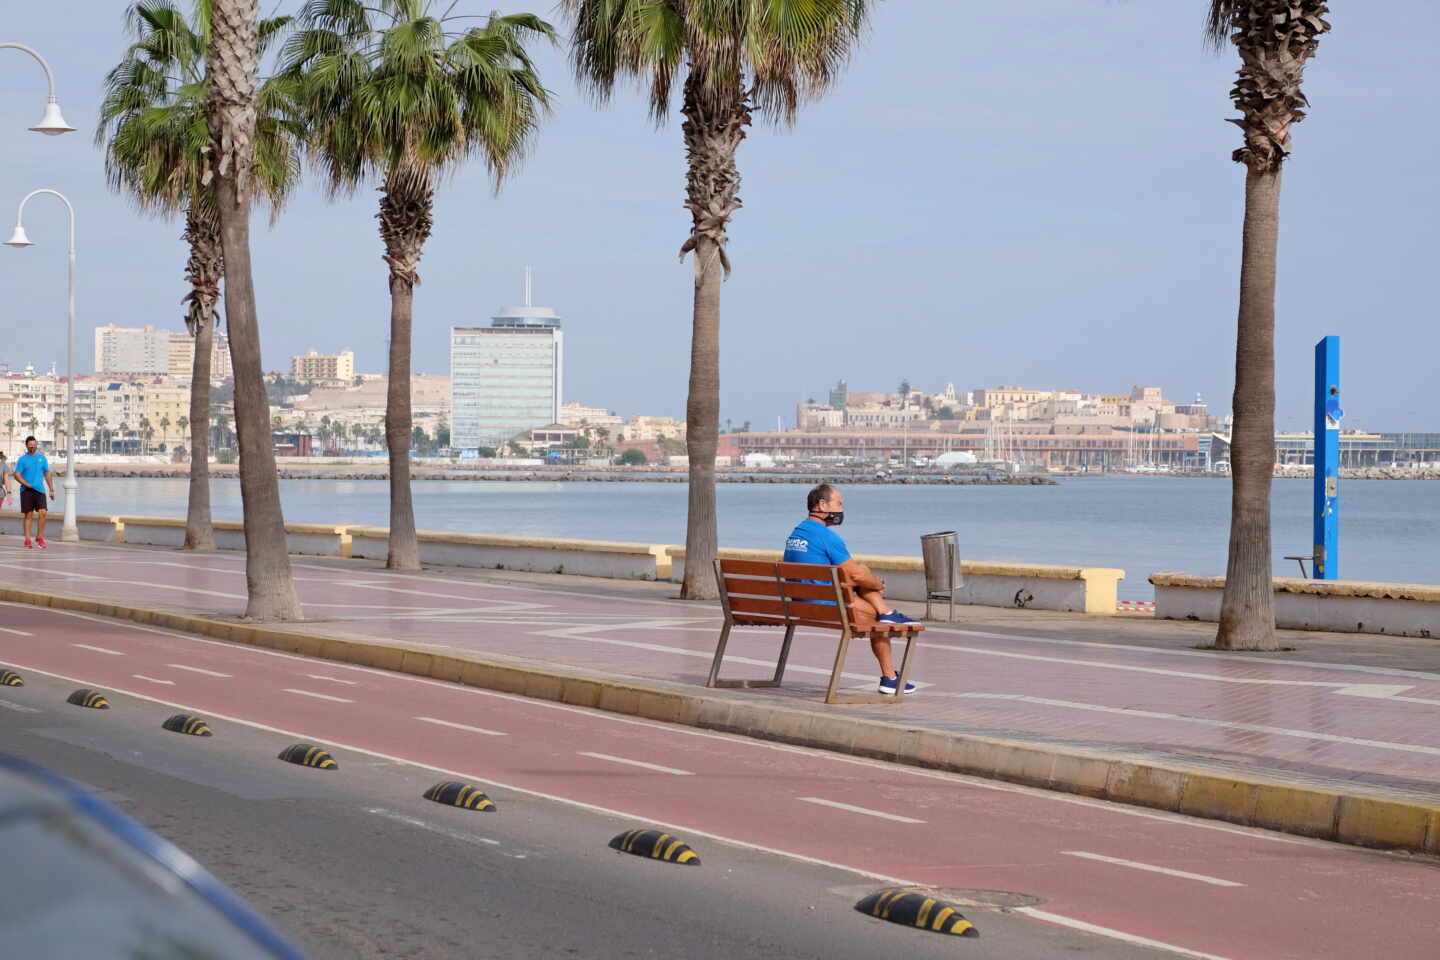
[(323, 366), (577, 414), (131, 350), (505, 379)]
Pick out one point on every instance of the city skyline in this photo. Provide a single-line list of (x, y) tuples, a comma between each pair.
[(897, 228)]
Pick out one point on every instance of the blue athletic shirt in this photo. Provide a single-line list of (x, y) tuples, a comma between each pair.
[(32, 467), (813, 542)]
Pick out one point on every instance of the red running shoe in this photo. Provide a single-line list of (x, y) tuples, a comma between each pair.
[(40, 542), (29, 542)]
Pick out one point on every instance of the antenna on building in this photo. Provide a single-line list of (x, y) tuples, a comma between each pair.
[(528, 284)]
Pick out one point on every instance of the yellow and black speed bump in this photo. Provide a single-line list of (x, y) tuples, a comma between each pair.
[(913, 907), (309, 755), (9, 678), (85, 697), (656, 846), (453, 793), (190, 724)]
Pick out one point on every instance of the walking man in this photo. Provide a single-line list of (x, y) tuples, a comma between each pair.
[(813, 541), (32, 471)]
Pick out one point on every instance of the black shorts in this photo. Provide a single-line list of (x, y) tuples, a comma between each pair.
[(31, 500)]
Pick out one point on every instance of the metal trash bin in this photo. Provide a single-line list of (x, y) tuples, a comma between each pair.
[(941, 553)]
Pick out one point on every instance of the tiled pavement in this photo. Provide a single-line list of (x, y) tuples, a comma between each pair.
[(1340, 712)]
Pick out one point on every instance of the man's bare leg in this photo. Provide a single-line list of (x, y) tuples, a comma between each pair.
[(40, 524), (25, 522)]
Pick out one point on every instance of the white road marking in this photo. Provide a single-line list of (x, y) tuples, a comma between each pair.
[(318, 676), (1213, 881), (1203, 721), (433, 828), (317, 696), (865, 810), (86, 646), (18, 633), (141, 676), (18, 707), (1120, 935), (637, 763), (208, 673), (462, 726)]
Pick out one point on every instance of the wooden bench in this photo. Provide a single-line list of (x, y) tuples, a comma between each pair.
[(756, 593)]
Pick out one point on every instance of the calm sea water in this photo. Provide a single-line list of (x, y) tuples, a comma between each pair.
[(1390, 529)]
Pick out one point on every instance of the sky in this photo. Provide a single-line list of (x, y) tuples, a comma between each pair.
[(1034, 193)]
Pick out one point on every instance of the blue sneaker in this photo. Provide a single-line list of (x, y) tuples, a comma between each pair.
[(888, 685), (895, 616)]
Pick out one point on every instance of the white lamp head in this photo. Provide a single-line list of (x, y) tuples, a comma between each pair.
[(52, 124), (18, 238)]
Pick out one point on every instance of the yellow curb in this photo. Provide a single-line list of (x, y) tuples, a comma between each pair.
[(1354, 819)]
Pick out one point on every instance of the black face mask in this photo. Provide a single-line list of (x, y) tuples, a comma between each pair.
[(834, 519)]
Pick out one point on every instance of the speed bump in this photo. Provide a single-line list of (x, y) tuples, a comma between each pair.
[(914, 907), (656, 846), (456, 794), (9, 678), (309, 755), (85, 697), (188, 723)]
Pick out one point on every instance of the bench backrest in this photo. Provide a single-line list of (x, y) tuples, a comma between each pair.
[(761, 592)]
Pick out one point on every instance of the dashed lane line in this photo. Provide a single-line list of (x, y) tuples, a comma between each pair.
[(638, 763), (208, 673), (462, 726), (1113, 934), (850, 808), (18, 633), (1152, 868), (141, 676), (86, 646), (321, 676), (317, 696)]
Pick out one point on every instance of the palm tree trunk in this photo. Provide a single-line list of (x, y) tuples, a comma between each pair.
[(233, 62), (405, 222), (205, 268), (1247, 616), (713, 130)]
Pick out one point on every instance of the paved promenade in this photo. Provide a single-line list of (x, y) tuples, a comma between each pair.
[(1347, 715)]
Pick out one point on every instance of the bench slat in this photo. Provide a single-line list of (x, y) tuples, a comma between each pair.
[(812, 611), (752, 568), (759, 620), (771, 588)]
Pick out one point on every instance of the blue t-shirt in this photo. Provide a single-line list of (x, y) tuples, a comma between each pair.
[(31, 468), (813, 542)]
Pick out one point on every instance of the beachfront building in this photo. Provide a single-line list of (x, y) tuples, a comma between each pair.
[(505, 379), (131, 350), (324, 366)]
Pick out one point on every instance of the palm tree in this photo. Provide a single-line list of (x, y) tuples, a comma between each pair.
[(232, 69), (1275, 38), (9, 433), (77, 432), (184, 424), (144, 434), (164, 429), (100, 434), (738, 56), (123, 429), (393, 94), (156, 141)]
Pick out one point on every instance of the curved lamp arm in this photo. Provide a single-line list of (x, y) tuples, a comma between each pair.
[(52, 123)]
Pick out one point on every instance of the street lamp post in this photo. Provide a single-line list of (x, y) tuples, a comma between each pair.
[(18, 239), (52, 123)]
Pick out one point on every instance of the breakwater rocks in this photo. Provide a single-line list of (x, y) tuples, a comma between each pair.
[(560, 475)]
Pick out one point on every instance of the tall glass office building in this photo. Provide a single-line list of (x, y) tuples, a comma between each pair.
[(505, 378)]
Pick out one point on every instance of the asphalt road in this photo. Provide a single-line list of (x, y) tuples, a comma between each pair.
[(353, 863)]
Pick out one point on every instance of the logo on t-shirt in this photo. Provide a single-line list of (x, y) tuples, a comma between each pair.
[(798, 544)]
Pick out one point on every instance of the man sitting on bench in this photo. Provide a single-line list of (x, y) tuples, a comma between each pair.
[(814, 542)]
